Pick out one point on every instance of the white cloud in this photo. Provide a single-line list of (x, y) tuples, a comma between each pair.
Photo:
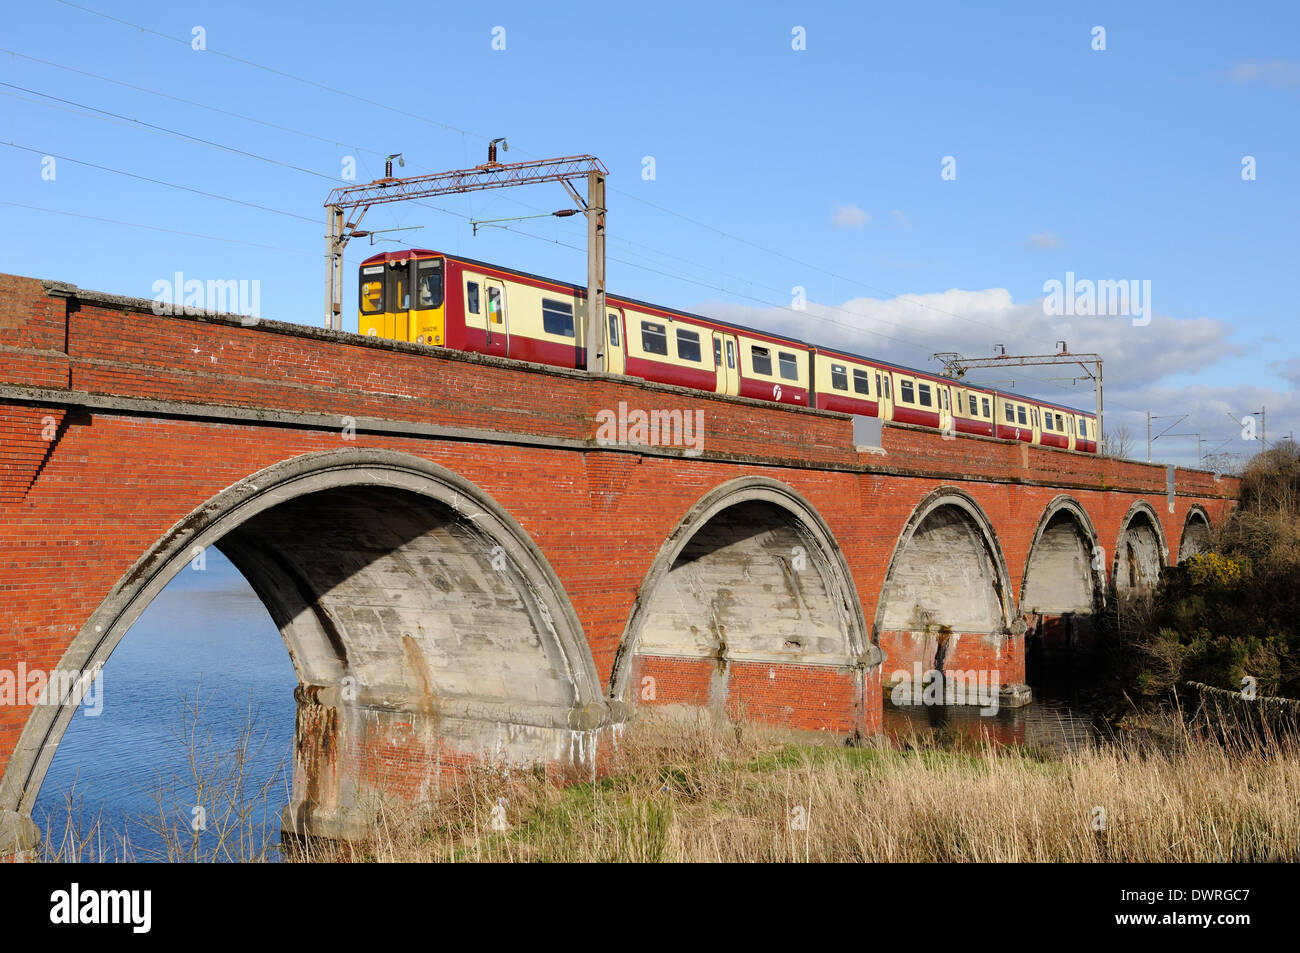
[(1044, 240), (1275, 73), (1167, 367), (849, 216), (1290, 370), (901, 219)]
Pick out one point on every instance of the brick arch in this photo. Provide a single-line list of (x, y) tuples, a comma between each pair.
[(1141, 552), (1196, 532), (801, 609), (421, 506), (947, 599), (1063, 516)]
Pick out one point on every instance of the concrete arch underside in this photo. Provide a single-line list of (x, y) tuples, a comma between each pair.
[(1064, 585), (1197, 536), (1140, 553), (426, 629), (946, 604), (749, 605)]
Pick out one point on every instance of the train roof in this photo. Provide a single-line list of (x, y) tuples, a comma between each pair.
[(580, 291)]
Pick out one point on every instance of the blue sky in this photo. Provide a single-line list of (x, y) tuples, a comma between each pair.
[(774, 167)]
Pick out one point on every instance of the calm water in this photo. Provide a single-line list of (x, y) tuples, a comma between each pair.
[(1049, 724), (205, 637)]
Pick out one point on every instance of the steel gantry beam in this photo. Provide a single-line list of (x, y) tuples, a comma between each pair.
[(356, 200), (956, 366)]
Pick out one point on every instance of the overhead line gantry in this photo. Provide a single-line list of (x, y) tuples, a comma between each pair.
[(358, 199)]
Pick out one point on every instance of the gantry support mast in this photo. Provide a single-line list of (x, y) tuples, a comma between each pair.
[(956, 366), (358, 199)]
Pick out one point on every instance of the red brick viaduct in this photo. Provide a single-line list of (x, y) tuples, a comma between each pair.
[(461, 568)]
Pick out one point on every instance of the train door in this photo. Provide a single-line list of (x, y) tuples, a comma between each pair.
[(945, 409), (884, 396), (397, 319), (726, 352), (497, 318), (616, 354)]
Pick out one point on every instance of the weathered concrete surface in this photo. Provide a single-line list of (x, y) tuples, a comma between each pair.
[(1140, 554), (1196, 535), (946, 604)]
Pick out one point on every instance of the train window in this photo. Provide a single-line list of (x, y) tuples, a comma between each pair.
[(557, 317), (428, 283), (861, 382), (731, 355), (688, 345), (1060, 423), (494, 304), (654, 339), (717, 352), (401, 293), (762, 359), (906, 393), (974, 408), (943, 398), (923, 390), (471, 297), (840, 376), (789, 366), (1083, 427), (984, 402), (1047, 422), (1010, 412), (889, 390), (1033, 415), (613, 329), (1020, 415), (371, 289)]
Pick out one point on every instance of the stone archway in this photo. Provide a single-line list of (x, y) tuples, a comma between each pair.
[(1140, 553), (426, 629), (1197, 535), (1064, 584), (748, 590), (946, 604)]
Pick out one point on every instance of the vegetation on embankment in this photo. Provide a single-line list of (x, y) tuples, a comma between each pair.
[(693, 790), (1230, 613)]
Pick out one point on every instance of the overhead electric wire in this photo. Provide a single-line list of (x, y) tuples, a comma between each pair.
[(464, 132), (159, 228), (145, 178)]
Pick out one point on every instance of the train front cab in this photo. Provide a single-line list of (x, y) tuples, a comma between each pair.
[(401, 298)]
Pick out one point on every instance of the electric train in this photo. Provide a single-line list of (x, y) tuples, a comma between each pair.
[(439, 300)]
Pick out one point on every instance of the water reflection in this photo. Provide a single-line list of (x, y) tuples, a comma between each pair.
[(206, 633), (1052, 725)]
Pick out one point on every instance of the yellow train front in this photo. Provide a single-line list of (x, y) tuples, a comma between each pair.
[(400, 297)]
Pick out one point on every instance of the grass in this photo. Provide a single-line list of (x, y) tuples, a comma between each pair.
[(692, 790), (688, 788)]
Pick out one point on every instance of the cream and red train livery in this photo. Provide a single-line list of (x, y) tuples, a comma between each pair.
[(441, 300)]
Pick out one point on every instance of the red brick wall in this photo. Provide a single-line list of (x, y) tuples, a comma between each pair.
[(77, 512)]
